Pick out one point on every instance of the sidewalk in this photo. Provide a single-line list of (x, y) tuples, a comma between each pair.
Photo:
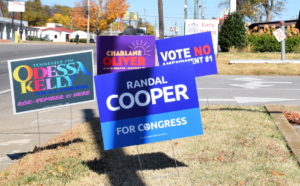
[(290, 132)]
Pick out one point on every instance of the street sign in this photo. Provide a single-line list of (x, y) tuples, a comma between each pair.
[(51, 81), (196, 49), (131, 16), (121, 53), (279, 34), (148, 105), (16, 6), (174, 29)]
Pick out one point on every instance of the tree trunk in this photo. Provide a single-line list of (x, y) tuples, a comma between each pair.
[(269, 15), (269, 7), (161, 19)]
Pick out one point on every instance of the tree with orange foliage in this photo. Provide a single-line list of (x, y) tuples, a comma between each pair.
[(102, 14)]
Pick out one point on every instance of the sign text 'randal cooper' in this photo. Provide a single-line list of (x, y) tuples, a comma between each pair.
[(49, 81), (122, 53), (148, 105)]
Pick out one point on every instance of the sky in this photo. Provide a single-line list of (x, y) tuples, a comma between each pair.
[(173, 10)]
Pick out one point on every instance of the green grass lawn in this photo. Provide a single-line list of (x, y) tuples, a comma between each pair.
[(257, 69), (241, 146)]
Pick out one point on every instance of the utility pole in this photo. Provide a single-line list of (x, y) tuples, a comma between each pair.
[(283, 42), (12, 26), (161, 19), (175, 28), (202, 10), (232, 6), (88, 22), (145, 15), (196, 9), (21, 27), (185, 15), (155, 25), (71, 18)]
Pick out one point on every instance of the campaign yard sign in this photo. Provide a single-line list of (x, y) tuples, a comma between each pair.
[(196, 49), (148, 105), (50, 81), (122, 53), (194, 26)]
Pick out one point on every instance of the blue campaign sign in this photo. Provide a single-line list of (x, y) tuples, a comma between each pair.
[(196, 49), (148, 105)]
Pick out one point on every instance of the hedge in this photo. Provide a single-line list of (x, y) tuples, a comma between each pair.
[(268, 43), (80, 40)]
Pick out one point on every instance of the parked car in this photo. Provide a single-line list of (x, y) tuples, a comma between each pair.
[(130, 30)]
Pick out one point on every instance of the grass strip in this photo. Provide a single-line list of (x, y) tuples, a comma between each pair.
[(241, 146)]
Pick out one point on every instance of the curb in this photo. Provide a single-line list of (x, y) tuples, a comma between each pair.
[(257, 61), (289, 133)]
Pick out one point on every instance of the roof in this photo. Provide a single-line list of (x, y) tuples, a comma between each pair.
[(58, 29), (276, 23), (9, 21)]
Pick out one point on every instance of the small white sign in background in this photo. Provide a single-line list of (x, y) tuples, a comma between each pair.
[(194, 26), (279, 34), (16, 6)]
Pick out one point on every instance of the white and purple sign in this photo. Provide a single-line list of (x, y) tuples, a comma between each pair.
[(193, 26), (148, 105), (122, 53), (196, 49)]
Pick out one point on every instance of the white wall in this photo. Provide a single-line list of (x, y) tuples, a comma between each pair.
[(55, 36), (82, 34)]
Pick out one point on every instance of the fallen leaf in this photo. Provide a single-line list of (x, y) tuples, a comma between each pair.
[(292, 117), (241, 183), (276, 173), (219, 158)]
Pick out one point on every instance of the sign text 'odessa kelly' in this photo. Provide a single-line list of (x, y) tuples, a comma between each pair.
[(148, 105), (122, 53), (49, 81), (196, 49)]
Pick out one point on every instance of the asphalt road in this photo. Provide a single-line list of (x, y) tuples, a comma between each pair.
[(20, 133)]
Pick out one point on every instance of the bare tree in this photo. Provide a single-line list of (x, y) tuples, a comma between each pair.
[(256, 10), (271, 7), (161, 19)]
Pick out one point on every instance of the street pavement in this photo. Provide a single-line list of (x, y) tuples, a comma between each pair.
[(249, 90), (20, 133)]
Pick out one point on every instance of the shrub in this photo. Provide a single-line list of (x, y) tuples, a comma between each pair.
[(82, 40), (292, 43), (263, 43), (297, 49), (268, 43), (31, 38), (232, 33)]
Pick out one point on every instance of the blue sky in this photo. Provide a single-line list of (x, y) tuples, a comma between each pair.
[(173, 10)]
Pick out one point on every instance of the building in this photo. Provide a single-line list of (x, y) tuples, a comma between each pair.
[(6, 32), (81, 34), (56, 34), (276, 24)]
